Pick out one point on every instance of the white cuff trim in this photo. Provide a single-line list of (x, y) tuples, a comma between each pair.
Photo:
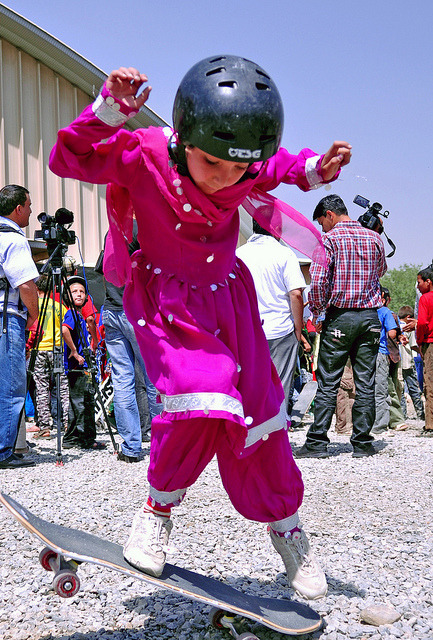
[(167, 497), (314, 180), (262, 431), (287, 524), (109, 113)]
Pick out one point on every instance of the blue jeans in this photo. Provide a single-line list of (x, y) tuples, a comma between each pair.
[(411, 380), (381, 422), (419, 366), (12, 382), (124, 352)]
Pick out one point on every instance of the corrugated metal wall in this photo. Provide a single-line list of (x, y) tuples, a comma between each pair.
[(35, 102)]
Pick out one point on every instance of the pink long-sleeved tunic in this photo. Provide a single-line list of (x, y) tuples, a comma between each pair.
[(191, 302)]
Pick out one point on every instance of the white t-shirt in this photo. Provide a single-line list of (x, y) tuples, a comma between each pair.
[(16, 264), (275, 270), (406, 351)]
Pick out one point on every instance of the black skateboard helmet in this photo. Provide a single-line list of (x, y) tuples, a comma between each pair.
[(77, 280), (230, 108)]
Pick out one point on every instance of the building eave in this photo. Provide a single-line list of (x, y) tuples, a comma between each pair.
[(63, 60)]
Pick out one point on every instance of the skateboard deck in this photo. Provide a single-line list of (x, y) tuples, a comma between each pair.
[(303, 403), (65, 545)]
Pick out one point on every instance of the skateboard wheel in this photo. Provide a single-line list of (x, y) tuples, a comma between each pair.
[(247, 636), (45, 556), (215, 616), (66, 584)]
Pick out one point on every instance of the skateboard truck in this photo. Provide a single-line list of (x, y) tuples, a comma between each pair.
[(66, 582), (220, 619)]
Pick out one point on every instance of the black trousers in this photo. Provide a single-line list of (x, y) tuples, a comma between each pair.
[(81, 423), (353, 333)]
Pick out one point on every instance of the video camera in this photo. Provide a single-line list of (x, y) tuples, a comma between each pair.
[(54, 229), (371, 219)]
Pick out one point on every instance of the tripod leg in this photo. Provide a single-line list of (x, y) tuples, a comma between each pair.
[(58, 370)]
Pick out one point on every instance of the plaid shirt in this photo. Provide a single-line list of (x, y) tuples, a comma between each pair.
[(355, 259)]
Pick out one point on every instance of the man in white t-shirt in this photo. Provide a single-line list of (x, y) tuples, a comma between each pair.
[(18, 311), (279, 284)]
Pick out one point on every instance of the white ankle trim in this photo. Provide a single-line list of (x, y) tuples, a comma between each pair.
[(287, 524), (167, 498)]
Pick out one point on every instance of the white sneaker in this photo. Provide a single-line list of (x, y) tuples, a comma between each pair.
[(303, 571), (147, 543)]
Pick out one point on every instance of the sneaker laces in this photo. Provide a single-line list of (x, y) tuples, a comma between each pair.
[(154, 537), (300, 543)]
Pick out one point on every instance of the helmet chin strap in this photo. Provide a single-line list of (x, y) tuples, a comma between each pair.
[(177, 154)]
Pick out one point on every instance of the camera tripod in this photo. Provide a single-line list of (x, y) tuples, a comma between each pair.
[(57, 286)]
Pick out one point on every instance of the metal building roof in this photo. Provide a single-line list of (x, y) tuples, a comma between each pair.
[(63, 60)]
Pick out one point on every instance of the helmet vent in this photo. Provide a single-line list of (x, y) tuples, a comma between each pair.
[(262, 73), (262, 87), (214, 71), (224, 135), (267, 138), (231, 84), (217, 59)]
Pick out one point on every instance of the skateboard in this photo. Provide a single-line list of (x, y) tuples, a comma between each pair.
[(303, 403), (67, 548)]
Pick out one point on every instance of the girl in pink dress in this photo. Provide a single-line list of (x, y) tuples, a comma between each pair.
[(191, 302)]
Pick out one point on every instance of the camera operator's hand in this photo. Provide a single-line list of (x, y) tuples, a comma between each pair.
[(123, 84), (336, 157)]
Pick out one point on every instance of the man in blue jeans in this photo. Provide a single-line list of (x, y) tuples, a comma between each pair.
[(124, 353), (18, 311)]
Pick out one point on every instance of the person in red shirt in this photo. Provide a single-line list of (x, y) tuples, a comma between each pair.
[(424, 338)]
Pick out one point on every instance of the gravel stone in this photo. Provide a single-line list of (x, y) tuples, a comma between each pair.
[(367, 519)]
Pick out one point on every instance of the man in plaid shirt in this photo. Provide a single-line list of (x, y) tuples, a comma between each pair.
[(345, 295)]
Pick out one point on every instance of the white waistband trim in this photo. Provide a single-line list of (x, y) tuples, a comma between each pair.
[(203, 401)]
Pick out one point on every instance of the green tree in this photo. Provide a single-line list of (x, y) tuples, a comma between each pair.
[(401, 283)]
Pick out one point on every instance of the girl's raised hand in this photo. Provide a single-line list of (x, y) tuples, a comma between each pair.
[(123, 84), (336, 157)]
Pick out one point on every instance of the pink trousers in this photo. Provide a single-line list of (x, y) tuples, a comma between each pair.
[(265, 485)]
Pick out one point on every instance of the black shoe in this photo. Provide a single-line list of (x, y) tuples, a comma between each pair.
[(94, 446), (124, 458), (426, 433), (377, 430), (13, 462), (306, 452), (70, 445), (364, 452)]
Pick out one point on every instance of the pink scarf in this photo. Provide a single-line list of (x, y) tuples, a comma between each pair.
[(272, 214)]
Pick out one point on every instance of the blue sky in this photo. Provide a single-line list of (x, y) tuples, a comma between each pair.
[(348, 70)]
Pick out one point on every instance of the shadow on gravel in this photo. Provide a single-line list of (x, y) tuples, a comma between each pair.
[(335, 449), (47, 455), (169, 615), (166, 607)]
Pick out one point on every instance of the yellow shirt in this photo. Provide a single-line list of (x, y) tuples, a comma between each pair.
[(46, 344)]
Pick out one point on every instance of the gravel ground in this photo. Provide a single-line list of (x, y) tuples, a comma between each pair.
[(369, 520)]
